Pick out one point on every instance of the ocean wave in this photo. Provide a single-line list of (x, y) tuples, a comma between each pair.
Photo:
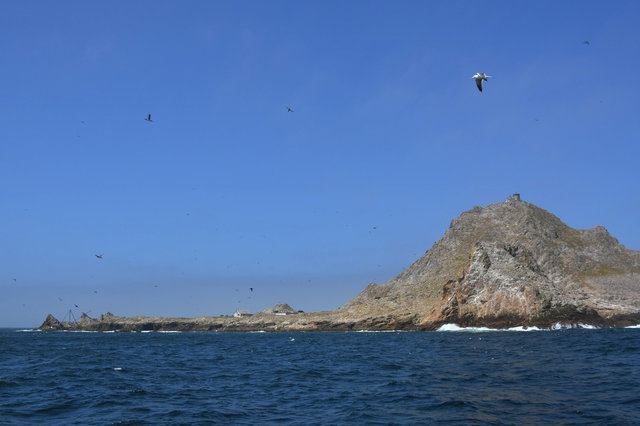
[(564, 326), (456, 327), (556, 326), (633, 326)]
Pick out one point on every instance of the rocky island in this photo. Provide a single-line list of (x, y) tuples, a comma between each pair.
[(505, 265)]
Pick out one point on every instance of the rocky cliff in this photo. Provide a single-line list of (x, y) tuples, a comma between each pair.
[(507, 264), (512, 263)]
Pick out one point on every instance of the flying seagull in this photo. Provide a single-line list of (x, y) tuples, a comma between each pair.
[(586, 42), (478, 77), (76, 305), (149, 119), (289, 109), (99, 256), (251, 288)]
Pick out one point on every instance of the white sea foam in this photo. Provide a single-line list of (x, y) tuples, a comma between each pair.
[(117, 369), (456, 327), (564, 326), (522, 328), (633, 326), (589, 326), (26, 330), (146, 331), (556, 326), (169, 331)]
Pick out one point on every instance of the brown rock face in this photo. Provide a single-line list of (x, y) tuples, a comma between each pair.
[(512, 263)]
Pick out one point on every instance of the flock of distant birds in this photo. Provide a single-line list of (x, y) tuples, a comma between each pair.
[(479, 78)]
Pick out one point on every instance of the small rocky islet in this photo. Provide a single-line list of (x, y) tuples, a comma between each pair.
[(509, 264)]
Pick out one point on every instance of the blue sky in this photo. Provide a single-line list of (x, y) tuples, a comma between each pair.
[(226, 190)]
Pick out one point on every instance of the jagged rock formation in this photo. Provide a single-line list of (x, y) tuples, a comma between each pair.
[(507, 264), (512, 263), (51, 323)]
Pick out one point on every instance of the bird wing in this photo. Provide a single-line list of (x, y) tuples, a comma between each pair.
[(479, 84)]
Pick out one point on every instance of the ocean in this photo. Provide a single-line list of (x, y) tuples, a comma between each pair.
[(465, 377)]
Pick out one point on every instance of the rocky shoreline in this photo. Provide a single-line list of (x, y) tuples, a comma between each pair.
[(509, 264), (328, 322)]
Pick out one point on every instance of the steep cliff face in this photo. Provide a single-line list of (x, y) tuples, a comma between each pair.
[(509, 263)]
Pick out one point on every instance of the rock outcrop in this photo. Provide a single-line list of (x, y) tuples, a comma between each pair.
[(51, 324), (512, 263), (503, 265), (280, 308)]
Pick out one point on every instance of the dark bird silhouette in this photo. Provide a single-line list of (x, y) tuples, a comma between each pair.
[(95, 291), (15, 279), (586, 42), (289, 109), (99, 256), (251, 288), (76, 305), (148, 119)]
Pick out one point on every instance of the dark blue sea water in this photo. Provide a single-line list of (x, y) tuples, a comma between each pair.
[(536, 377)]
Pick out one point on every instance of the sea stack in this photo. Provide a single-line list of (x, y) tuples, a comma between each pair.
[(509, 264)]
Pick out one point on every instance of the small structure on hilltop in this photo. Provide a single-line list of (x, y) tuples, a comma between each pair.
[(280, 309), (242, 314), (514, 197)]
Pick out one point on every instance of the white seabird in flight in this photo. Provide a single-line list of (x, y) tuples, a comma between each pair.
[(478, 77)]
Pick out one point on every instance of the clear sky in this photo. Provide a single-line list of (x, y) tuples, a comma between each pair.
[(226, 190)]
